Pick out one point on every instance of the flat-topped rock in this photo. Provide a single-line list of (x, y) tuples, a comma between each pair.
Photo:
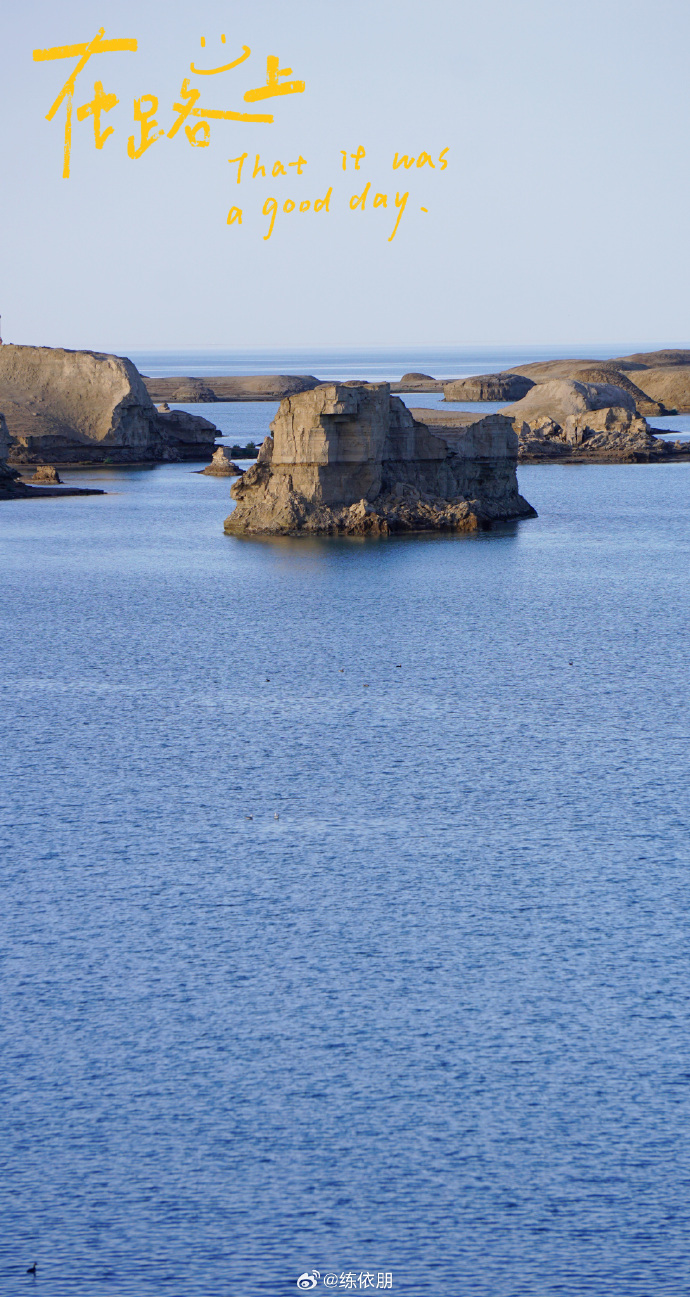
[(251, 387), (349, 458), (418, 383), (656, 359), (488, 387), (86, 407), (543, 371)]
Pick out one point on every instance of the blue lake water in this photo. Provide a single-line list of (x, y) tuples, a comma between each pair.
[(433, 1020)]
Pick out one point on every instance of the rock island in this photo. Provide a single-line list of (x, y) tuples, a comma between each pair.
[(350, 459), (88, 407)]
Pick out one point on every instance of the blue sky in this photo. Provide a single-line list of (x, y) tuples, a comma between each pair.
[(561, 217)]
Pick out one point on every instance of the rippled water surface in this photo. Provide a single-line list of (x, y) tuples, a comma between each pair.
[(432, 1021)]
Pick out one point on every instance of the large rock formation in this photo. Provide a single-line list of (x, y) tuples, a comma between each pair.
[(619, 378), (544, 371), (414, 382), (185, 436), (669, 385), (626, 373), (488, 387), (86, 407), (349, 458), (562, 397), (10, 486), (653, 396), (612, 435), (223, 387), (654, 359)]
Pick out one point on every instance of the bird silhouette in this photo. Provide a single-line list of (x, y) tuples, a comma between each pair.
[(32, 1269)]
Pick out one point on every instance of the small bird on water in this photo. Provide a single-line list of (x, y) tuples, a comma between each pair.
[(276, 815), (32, 1269)]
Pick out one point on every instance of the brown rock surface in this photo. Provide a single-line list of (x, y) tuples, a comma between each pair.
[(222, 465), (47, 475), (561, 397), (10, 486), (618, 378), (85, 407), (609, 436), (418, 383), (186, 436), (669, 385), (613, 435), (488, 387), (349, 458), (541, 440), (253, 387), (544, 371), (655, 359)]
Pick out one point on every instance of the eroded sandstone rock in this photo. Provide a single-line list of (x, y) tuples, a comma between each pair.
[(85, 407), (225, 387), (10, 486), (559, 398), (222, 465), (186, 436), (417, 383), (656, 359), (488, 387), (618, 378), (349, 458), (669, 385), (47, 475), (541, 439), (612, 435)]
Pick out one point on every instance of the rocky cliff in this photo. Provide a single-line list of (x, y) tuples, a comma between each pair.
[(612, 435), (86, 407), (562, 397), (10, 486), (349, 458), (668, 385)]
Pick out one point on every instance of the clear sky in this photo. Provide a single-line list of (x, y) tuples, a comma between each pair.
[(561, 217)]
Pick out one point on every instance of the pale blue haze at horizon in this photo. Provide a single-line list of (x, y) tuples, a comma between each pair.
[(562, 215)]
